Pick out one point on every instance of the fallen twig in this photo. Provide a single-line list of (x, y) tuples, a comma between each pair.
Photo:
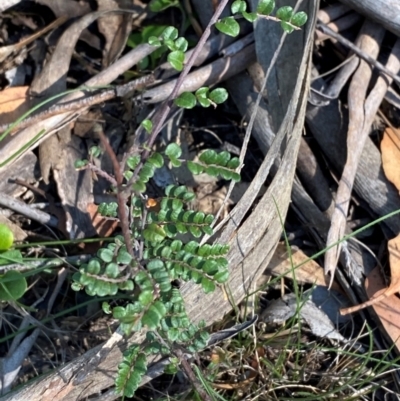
[(361, 112), (26, 210), (362, 54)]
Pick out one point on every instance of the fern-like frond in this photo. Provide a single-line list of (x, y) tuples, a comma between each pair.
[(107, 273), (217, 165), (130, 371)]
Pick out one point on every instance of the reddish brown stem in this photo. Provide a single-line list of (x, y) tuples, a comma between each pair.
[(121, 199)]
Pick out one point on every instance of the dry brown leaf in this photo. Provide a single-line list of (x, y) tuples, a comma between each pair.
[(394, 287), (388, 309), (18, 232), (390, 149), (310, 272), (13, 103), (115, 29)]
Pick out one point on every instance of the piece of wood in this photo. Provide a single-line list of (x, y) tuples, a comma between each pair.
[(385, 12), (370, 38)]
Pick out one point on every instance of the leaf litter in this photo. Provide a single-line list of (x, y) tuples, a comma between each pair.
[(79, 205)]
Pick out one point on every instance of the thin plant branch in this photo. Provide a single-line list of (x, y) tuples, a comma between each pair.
[(121, 199), (360, 53), (82, 103)]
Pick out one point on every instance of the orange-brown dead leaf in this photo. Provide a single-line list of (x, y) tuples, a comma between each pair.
[(13, 103), (388, 309), (390, 149), (394, 260), (309, 271)]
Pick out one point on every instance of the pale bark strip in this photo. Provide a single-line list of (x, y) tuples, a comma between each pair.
[(369, 41), (361, 115)]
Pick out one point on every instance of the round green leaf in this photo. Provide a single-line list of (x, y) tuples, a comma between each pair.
[(181, 44), (133, 161), (202, 92), (80, 163), (147, 125), (126, 285), (209, 156), (213, 171), (171, 369), (222, 276), (176, 245), (204, 102), (208, 285), (195, 231), (154, 314), (173, 151), (299, 19), (202, 96), (94, 266), (170, 32), (170, 44), (229, 26), (265, 7), (128, 174), (161, 5), (112, 270), (124, 257), (105, 254), (154, 41), (208, 230), (95, 151), (234, 163), (156, 160), (119, 312), (146, 297), (176, 59), (12, 286), (106, 308), (218, 95), (155, 265), (284, 13), (166, 252), (186, 100), (76, 286), (139, 186), (154, 233), (251, 17), (195, 168), (6, 237), (223, 158), (173, 334), (287, 27), (175, 163), (238, 6)]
